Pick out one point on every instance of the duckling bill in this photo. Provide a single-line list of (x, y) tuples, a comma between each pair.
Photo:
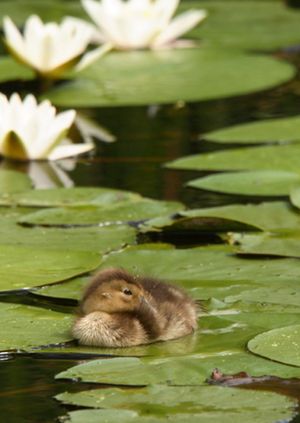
[(121, 310)]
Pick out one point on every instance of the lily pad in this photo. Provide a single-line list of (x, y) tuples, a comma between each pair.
[(25, 326), (145, 77), (10, 70), (190, 370), (278, 157), (267, 244), (122, 212), (192, 266), (280, 130), (277, 216), (70, 289), (25, 267), (13, 182), (295, 197), (100, 240), (265, 183), (166, 402), (281, 345), (64, 197), (287, 296)]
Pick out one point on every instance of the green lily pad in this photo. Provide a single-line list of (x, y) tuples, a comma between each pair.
[(146, 77), (287, 296), (25, 267), (126, 211), (281, 345), (277, 216), (70, 289), (192, 266), (281, 130), (190, 370), (10, 70), (64, 197), (13, 182), (267, 244), (278, 157), (100, 240), (295, 197), (264, 182), (166, 402), (25, 326)]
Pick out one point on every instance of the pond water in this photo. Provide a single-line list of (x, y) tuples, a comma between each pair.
[(147, 137)]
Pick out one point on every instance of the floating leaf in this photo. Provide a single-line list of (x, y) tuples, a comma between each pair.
[(25, 326), (295, 197), (11, 70), (281, 345), (205, 402), (191, 267), (146, 77), (100, 240), (267, 244), (276, 216), (281, 130), (70, 289), (287, 296), (126, 211), (63, 197), (12, 182), (190, 370), (264, 182), (278, 157), (24, 267)]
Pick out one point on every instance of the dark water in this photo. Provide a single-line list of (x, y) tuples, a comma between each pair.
[(146, 138)]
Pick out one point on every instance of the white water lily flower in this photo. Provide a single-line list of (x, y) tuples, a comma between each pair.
[(32, 131), (138, 24), (49, 48)]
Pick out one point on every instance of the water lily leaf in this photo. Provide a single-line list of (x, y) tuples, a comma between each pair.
[(12, 182), (191, 267), (276, 216), (70, 289), (126, 211), (281, 345), (230, 24), (287, 296), (24, 267), (63, 197), (11, 70), (25, 326), (278, 157), (145, 77), (100, 240), (190, 370), (264, 182), (267, 244), (295, 197), (281, 130), (208, 402)]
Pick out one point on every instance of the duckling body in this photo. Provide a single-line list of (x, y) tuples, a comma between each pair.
[(121, 310)]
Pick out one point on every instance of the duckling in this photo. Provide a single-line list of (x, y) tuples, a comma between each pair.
[(121, 310)]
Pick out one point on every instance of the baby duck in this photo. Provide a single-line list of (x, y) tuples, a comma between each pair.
[(121, 310)]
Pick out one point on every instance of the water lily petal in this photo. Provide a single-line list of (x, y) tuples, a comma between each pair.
[(181, 24), (90, 129), (64, 151), (165, 9), (14, 39), (96, 36)]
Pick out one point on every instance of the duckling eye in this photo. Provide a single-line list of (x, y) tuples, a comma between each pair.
[(127, 291)]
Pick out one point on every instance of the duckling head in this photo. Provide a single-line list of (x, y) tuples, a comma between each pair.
[(112, 291)]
